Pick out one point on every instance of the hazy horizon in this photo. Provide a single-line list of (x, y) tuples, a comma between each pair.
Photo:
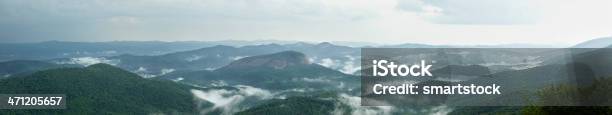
[(274, 41)]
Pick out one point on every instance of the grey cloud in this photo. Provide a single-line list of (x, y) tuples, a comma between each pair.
[(104, 20), (485, 12)]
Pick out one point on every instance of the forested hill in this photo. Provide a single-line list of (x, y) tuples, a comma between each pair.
[(102, 89)]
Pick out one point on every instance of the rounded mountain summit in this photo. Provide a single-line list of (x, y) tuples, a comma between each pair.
[(278, 60)]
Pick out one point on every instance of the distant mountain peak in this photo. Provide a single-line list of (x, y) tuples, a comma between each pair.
[(325, 44), (278, 60), (105, 67), (207, 49), (100, 65), (300, 44), (220, 46)]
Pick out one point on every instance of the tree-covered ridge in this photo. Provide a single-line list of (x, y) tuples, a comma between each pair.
[(293, 105), (578, 99), (568, 98), (102, 89), (25, 67), (278, 71)]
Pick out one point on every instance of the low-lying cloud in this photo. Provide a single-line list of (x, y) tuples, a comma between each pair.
[(86, 61), (347, 65), (230, 101), (145, 73), (354, 102)]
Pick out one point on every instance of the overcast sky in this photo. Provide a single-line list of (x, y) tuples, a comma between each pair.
[(382, 21)]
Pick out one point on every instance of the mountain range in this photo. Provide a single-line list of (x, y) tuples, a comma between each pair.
[(268, 77), (277, 71)]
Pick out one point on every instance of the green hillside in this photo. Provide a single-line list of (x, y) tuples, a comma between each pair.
[(278, 71), (294, 106), (102, 89), (24, 67)]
